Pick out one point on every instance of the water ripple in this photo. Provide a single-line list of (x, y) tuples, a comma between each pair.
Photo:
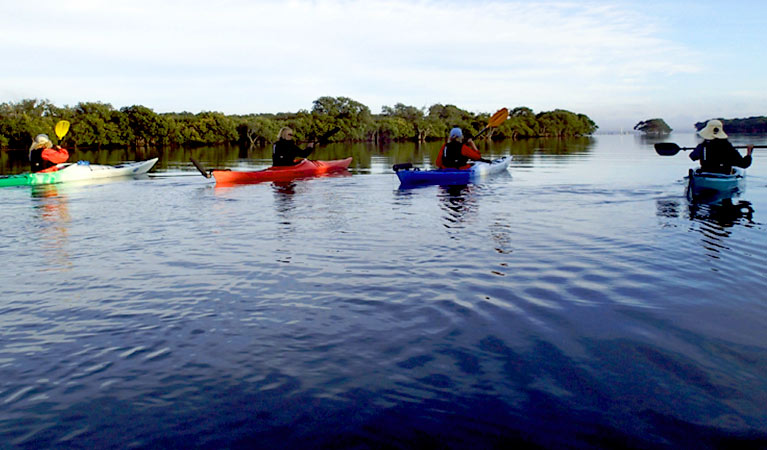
[(562, 306)]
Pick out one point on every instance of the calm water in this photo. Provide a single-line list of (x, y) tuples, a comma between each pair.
[(580, 301)]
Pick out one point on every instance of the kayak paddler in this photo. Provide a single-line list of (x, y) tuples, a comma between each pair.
[(43, 155), (285, 151), (455, 154), (716, 153)]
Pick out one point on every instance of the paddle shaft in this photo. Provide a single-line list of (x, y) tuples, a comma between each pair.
[(327, 135), (479, 132), (736, 146), (671, 149), (172, 174), (199, 167)]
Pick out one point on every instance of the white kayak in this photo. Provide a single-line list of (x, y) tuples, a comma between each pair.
[(81, 170)]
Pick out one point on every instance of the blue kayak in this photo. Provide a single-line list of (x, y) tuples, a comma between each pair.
[(409, 176)]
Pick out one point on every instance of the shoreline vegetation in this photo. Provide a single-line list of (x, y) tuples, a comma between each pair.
[(97, 125), (748, 125), (653, 127)]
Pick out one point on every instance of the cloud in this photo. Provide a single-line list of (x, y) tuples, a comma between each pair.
[(267, 56)]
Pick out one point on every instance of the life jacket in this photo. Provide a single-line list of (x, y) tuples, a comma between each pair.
[(283, 153), (718, 156), (452, 156), (36, 161)]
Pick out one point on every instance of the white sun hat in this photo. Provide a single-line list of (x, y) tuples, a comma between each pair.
[(713, 130), (41, 141)]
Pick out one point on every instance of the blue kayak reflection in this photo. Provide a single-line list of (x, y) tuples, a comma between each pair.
[(458, 203)]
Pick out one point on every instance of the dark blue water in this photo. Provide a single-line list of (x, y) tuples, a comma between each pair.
[(579, 301)]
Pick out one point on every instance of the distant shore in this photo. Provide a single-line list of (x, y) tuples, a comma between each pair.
[(100, 125)]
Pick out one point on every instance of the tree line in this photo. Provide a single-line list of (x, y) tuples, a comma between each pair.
[(100, 125), (747, 125)]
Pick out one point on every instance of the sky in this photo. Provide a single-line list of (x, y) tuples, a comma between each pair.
[(619, 62)]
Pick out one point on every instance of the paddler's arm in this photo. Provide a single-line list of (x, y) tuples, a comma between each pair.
[(56, 155), (745, 161), (307, 151), (698, 152), (471, 151)]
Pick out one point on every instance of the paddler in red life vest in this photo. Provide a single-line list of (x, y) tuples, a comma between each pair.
[(454, 154), (43, 155)]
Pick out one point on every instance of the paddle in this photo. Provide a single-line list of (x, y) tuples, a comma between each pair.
[(324, 138), (495, 120), (199, 167), (671, 149), (61, 129)]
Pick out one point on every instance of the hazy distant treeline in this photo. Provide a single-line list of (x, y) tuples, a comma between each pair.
[(99, 125), (655, 126), (747, 125)]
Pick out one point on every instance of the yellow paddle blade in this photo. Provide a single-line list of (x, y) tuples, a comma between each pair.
[(498, 118), (62, 128)]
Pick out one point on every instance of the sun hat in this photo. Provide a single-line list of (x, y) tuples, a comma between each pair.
[(713, 130), (456, 133), (41, 141)]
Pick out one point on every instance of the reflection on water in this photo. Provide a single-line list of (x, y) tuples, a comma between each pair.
[(568, 309), (725, 214), (366, 156), (284, 189), (459, 203), (714, 221), (285, 202), (649, 140), (53, 229)]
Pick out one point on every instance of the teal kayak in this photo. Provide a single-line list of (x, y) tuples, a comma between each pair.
[(715, 185), (78, 171)]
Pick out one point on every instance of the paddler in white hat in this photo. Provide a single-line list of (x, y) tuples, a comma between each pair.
[(716, 153)]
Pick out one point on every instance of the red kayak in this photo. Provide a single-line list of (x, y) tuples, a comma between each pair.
[(305, 168)]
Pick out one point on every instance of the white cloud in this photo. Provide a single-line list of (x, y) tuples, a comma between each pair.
[(266, 56)]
